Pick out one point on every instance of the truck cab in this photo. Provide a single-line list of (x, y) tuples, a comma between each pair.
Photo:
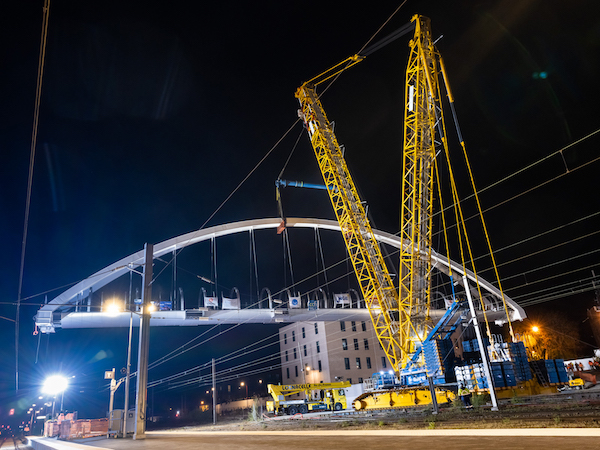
[(318, 397)]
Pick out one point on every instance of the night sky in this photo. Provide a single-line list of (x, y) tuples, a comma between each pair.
[(152, 113)]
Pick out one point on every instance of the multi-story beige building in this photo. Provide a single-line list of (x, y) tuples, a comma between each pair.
[(324, 352)]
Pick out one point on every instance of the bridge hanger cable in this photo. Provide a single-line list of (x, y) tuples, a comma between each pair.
[(342, 261)]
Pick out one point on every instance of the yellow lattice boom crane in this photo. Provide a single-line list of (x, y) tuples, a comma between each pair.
[(400, 316), (393, 315), (423, 113)]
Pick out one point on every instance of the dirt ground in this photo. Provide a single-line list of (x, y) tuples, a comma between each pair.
[(544, 412)]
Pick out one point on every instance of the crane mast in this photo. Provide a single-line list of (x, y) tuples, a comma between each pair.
[(422, 115)]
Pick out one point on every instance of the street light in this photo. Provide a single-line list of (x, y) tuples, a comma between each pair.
[(242, 384), (535, 329), (54, 385), (113, 310)]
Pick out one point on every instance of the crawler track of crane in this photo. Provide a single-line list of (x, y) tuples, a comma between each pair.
[(401, 398)]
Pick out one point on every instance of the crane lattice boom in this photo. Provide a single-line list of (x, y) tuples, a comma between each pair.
[(374, 279)]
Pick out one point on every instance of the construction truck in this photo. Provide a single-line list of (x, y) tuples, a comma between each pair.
[(318, 397)]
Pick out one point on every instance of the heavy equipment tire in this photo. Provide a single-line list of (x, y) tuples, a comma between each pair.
[(292, 410), (338, 407), (303, 409)]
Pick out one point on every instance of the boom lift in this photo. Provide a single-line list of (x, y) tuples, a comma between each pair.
[(401, 319), (329, 397)]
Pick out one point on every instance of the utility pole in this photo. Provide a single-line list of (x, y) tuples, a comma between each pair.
[(127, 374), (141, 394), (214, 392), (482, 347)]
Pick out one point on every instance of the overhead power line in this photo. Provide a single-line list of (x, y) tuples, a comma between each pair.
[(34, 133)]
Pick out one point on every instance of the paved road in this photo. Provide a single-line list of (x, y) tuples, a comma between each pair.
[(10, 443), (580, 439)]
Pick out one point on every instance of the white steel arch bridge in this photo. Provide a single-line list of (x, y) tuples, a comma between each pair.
[(67, 309)]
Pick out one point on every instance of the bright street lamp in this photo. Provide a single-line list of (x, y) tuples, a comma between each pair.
[(54, 385), (535, 329), (112, 309), (242, 384)]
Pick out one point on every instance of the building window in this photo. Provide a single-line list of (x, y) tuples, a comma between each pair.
[(293, 336), (363, 324), (347, 363), (296, 367), (295, 356), (287, 372), (303, 333), (320, 367), (285, 338), (355, 344), (350, 380), (342, 326), (368, 362), (305, 354), (316, 328), (353, 325), (360, 380), (383, 362), (286, 355), (318, 347), (366, 341), (344, 344), (358, 363)]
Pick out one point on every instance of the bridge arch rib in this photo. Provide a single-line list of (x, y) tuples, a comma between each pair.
[(80, 291)]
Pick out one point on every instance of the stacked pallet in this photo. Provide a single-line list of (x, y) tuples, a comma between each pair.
[(510, 377), (497, 375), (518, 355), (439, 357), (473, 345), (551, 371), (471, 376)]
